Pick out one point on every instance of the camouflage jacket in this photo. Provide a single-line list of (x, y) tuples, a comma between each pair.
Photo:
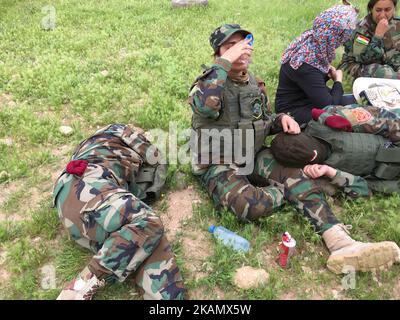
[(364, 48), (206, 93), (210, 95)]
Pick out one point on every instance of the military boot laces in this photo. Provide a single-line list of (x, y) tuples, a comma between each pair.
[(348, 254), (82, 287)]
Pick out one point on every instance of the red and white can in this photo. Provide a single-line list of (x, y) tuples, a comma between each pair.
[(287, 247)]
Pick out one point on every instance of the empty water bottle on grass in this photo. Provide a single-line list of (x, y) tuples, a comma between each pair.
[(230, 238)]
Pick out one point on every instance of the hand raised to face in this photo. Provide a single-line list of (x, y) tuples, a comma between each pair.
[(236, 48), (381, 28)]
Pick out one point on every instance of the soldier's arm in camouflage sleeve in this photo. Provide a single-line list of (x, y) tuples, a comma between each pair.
[(276, 123), (373, 52), (206, 94), (133, 138), (353, 186), (348, 62), (393, 59), (380, 121)]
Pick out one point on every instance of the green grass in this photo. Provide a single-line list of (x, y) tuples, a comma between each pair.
[(133, 61)]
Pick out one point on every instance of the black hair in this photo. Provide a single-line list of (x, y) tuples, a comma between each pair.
[(372, 3)]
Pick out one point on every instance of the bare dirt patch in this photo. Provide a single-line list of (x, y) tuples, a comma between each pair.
[(201, 293), (36, 197), (7, 100), (11, 217), (198, 294), (396, 291), (8, 189), (4, 275), (180, 208), (289, 296), (317, 296), (269, 256), (197, 248), (248, 277)]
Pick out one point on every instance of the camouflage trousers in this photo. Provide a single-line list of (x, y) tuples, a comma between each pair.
[(123, 231), (275, 184), (376, 70)]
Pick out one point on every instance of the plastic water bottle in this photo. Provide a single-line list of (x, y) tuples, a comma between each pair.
[(230, 238), (245, 58), (251, 38)]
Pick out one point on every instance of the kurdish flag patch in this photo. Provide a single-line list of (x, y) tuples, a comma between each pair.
[(363, 40)]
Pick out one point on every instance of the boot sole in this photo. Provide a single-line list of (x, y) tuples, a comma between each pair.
[(381, 256)]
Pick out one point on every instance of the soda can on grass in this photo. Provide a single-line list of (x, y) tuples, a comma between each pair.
[(286, 249)]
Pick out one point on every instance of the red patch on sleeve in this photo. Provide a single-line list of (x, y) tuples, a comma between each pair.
[(77, 167), (361, 115)]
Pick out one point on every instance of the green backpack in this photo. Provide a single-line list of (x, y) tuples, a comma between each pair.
[(370, 156)]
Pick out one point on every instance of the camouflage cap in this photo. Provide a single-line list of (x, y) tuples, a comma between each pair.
[(222, 33)]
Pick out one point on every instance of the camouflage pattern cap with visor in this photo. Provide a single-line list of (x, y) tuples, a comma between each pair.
[(222, 33)]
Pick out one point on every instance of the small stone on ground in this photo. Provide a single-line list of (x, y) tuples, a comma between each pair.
[(248, 277)]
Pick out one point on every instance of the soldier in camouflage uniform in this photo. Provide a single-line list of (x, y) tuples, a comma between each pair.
[(320, 149), (228, 81), (374, 48), (374, 140), (98, 201), (219, 101)]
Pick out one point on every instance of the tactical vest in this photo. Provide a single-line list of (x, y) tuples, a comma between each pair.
[(361, 154), (242, 107), (149, 182)]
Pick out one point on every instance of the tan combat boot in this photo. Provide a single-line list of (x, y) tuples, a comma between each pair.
[(346, 252), (82, 287)]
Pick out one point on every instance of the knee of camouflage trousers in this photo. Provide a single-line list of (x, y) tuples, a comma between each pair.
[(122, 230), (141, 247), (376, 70), (236, 193), (302, 192), (126, 247)]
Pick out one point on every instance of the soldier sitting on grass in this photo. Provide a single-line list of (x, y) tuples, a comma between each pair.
[(373, 50), (227, 98)]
